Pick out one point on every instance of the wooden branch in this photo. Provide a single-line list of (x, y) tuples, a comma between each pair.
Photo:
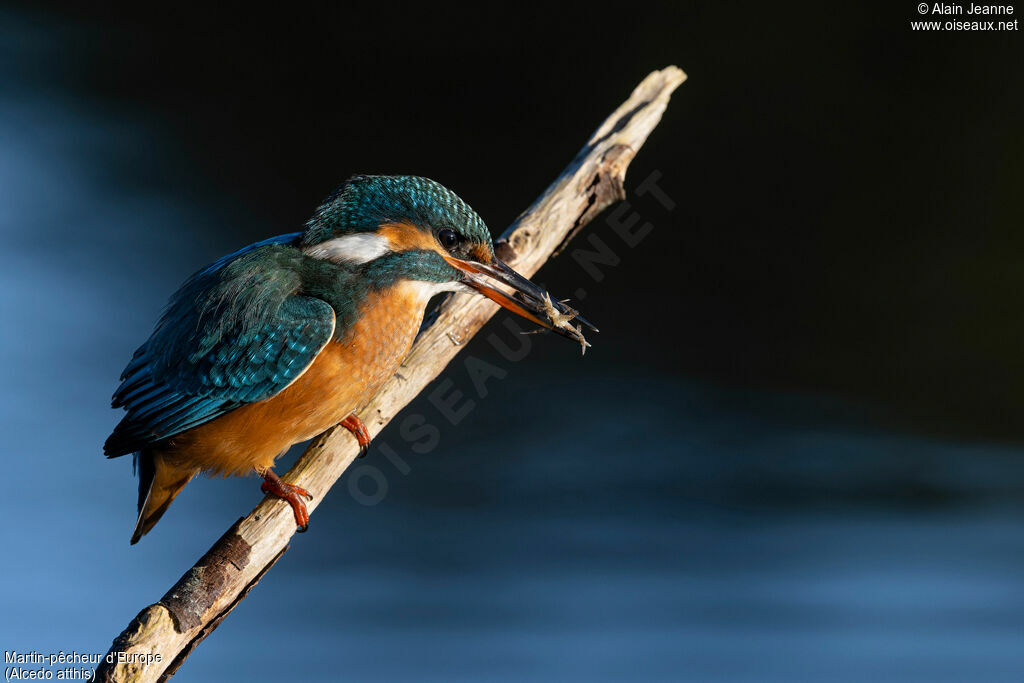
[(208, 591)]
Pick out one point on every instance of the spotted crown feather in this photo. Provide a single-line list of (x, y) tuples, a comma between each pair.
[(365, 202)]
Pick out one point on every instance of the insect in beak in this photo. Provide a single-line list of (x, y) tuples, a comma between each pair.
[(530, 301)]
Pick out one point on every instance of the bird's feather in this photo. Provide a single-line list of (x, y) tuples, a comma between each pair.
[(237, 332)]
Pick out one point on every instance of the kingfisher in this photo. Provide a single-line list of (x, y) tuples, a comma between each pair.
[(286, 338)]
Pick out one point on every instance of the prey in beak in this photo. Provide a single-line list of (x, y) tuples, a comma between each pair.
[(527, 299)]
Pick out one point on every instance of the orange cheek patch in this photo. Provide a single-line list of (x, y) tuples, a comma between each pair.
[(406, 236), (482, 253)]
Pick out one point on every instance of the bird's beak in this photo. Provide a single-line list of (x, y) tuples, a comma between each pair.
[(528, 300)]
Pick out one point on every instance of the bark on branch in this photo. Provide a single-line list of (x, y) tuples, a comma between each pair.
[(204, 596)]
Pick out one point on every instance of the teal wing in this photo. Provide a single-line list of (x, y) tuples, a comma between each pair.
[(236, 333)]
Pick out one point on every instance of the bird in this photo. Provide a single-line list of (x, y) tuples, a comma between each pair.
[(287, 338)]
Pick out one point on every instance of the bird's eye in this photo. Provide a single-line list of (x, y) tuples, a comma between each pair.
[(448, 238)]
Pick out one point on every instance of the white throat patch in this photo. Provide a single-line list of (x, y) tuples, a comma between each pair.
[(361, 247)]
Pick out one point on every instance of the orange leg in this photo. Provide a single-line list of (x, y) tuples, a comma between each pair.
[(291, 493), (353, 424)]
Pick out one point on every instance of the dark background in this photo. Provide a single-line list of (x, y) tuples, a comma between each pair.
[(846, 187), (791, 452)]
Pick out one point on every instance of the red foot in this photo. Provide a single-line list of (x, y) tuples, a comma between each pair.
[(291, 493), (353, 424)]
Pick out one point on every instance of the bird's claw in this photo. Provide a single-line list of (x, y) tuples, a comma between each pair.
[(291, 494), (353, 424)]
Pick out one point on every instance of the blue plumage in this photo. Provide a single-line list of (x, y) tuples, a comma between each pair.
[(365, 202), (290, 238), (237, 332)]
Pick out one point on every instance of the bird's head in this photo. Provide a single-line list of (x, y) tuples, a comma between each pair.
[(412, 227)]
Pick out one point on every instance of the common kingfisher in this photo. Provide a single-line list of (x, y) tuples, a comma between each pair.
[(282, 340)]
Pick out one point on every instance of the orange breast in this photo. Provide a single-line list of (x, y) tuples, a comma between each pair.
[(341, 379)]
